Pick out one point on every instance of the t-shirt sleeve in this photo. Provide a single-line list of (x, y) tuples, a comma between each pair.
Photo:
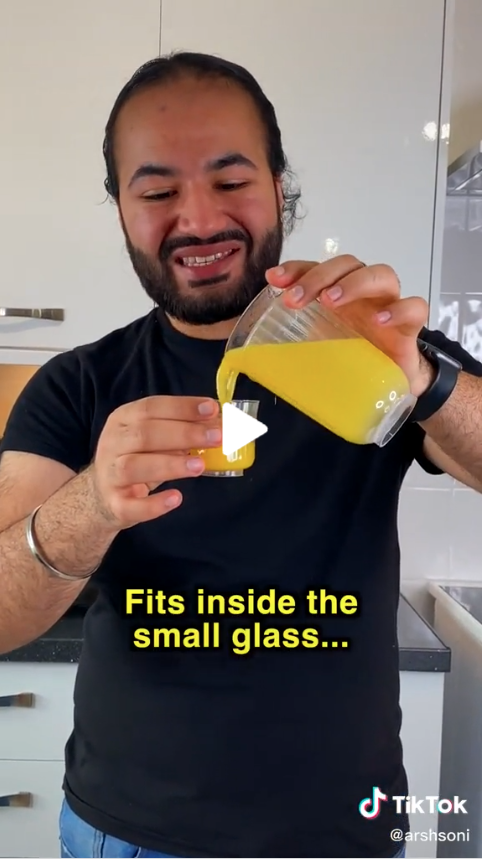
[(51, 415), (469, 364)]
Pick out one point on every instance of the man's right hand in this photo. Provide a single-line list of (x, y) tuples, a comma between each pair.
[(144, 444)]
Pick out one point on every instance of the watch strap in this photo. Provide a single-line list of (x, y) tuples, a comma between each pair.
[(447, 370)]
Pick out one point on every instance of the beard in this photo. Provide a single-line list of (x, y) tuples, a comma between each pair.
[(197, 305)]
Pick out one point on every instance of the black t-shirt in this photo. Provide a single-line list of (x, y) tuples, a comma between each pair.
[(202, 752)]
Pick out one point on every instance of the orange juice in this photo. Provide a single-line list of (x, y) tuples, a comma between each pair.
[(216, 461), (346, 385)]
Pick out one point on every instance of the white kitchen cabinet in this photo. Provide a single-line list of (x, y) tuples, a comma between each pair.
[(357, 89), (62, 245), (37, 731), (32, 742), (22, 356), (32, 831), (421, 702)]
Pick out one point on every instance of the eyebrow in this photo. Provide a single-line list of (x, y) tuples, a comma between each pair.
[(229, 159)]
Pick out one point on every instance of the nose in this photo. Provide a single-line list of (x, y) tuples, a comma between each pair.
[(200, 212)]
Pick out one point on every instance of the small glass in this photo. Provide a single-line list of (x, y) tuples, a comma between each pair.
[(219, 465)]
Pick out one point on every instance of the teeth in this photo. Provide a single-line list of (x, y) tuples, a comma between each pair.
[(205, 261)]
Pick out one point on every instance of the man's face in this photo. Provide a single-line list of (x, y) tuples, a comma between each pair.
[(198, 204)]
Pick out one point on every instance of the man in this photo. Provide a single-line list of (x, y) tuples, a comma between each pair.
[(201, 752)]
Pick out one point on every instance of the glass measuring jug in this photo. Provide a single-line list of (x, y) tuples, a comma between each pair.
[(311, 359)]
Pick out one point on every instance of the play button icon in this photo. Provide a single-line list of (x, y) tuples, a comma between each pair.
[(239, 429)]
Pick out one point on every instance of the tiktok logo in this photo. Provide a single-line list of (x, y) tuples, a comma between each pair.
[(370, 807)]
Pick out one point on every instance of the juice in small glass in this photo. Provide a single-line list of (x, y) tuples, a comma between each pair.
[(219, 465)]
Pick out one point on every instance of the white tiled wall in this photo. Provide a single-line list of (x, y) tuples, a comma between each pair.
[(440, 520), (466, 114), (440, 524)]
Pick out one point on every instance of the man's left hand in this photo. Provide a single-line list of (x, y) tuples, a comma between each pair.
[(367, 299)]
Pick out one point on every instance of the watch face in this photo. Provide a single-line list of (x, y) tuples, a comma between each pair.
[(444, 357), (438, 356)]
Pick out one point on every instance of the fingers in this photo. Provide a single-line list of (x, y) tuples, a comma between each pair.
[(135, 470), (371, 294), (371, 282), (146, 443), (138, 510), (155, 435), (340, 282), (408, 315), (289, 273), (185, 409), (134, 477), (312, 279)]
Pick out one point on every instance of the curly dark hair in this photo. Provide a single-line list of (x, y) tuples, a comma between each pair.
[(180, 64)]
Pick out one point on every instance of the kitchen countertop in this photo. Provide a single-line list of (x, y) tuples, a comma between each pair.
[(469, 597), (419, 647)]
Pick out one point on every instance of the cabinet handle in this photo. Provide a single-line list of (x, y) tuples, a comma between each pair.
[(34, 313), (18, 799), (19, 701)]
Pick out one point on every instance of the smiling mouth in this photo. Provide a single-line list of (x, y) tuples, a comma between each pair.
[(194, 262)]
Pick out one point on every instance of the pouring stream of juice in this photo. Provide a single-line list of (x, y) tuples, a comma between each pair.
[(343, 384)]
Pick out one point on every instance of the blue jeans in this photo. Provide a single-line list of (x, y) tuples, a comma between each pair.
[(80, 840)]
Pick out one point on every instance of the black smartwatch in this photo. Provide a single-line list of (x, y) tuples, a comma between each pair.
[(447, 373)]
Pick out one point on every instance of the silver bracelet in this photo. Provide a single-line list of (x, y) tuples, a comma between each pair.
[(35, 551)]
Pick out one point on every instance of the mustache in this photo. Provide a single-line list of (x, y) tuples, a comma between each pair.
[(172, 245)]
